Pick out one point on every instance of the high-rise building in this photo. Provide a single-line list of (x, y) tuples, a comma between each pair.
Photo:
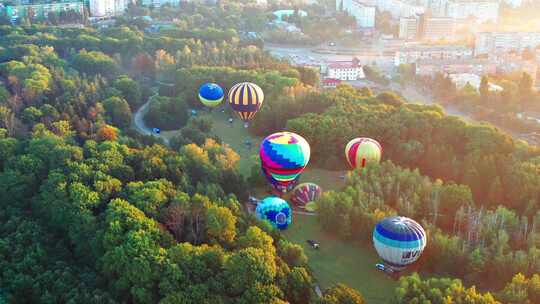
[(437, 28), (400, 8), (107, 8), (363, 13), (438, 7), (408, 28), (397, 8), (481, 10)]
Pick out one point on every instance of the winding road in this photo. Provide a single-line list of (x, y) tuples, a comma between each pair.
[(138, 119)]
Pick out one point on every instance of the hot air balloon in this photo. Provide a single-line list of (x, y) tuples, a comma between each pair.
[(276, 211), (306, 193), (211, 94), (246, 99), (284, 155), (361, 151), (399, 241), (280, 187)]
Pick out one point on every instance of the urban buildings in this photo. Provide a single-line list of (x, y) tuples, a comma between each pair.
[(437, 28), (503, 42), (42, 10), (280, 14), (513, 64), (397, 8), (463, 79), (400, 8), (480, 10), (408, 28), (513, 3), (158, 3), (363, 13), (428, 28), (345, 70), (330, 83), (429, 67), (411, 53), (108, 8)]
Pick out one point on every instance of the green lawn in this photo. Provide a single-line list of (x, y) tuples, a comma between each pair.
[(341, 262), (336, 261)]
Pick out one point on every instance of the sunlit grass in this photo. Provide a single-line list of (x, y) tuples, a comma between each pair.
[(338, 261)]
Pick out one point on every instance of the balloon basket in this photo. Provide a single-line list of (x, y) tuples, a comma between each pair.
[(246, 125)]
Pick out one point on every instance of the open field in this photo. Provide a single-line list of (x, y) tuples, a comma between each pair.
[(341, 262), (337, 261)]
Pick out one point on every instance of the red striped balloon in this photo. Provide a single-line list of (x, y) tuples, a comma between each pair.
[(305, 193), (361, 151)]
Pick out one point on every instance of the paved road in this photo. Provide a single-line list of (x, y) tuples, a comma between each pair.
[(138, 119)]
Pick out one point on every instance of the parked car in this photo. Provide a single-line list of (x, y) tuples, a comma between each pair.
[(313, 244)]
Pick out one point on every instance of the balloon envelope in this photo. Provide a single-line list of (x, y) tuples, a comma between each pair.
[(306, 193), (276, 211), (361, 151), (399, 241), (211, 94), (284, 155), (280, 186), (246, 99)]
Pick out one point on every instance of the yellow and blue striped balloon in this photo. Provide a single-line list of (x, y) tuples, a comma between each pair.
[(246, 99)]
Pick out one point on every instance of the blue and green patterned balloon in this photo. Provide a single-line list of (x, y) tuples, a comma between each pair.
[(399, 241), (276, 211)]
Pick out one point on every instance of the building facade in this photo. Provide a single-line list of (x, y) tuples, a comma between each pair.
[(158, 3), (400, 8), (330, 83), (345, 70), (437, 28), (108, 8), (430, 67), (362, 12), (42, 10), (410, 54), (504, 42), (408, 28), (397, 8)]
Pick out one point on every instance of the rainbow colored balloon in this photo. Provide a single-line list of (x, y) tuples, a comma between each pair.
[(361, 151), (306, 193), (281, 187), (284, 155), (276, 211)]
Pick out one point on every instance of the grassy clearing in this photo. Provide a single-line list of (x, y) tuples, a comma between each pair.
[(336, 261), (341, 262)]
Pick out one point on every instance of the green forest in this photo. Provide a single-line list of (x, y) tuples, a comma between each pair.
[(92, 211)]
